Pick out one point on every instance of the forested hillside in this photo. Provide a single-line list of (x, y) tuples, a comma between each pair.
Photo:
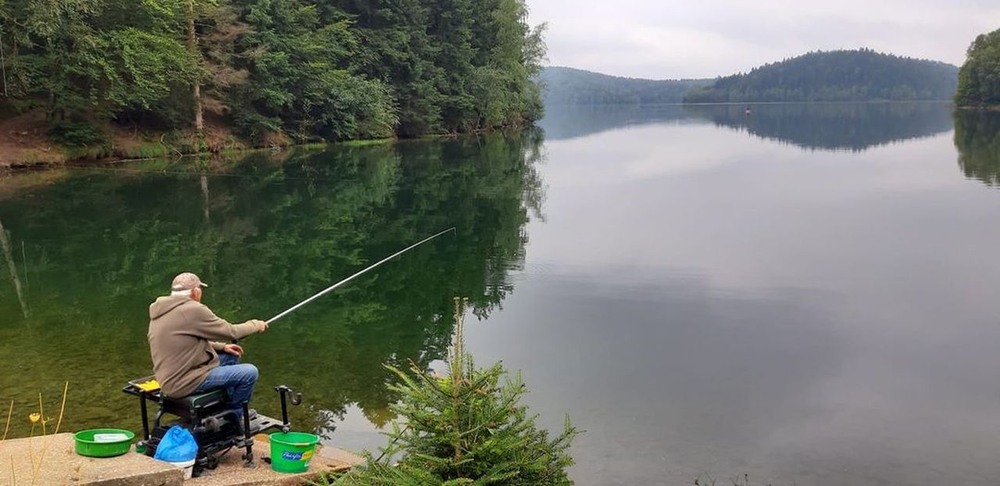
[(294, 69), (979, 77), (568, 86), (855, 75)]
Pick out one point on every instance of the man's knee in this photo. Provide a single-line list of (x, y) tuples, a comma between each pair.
[(251, 373)]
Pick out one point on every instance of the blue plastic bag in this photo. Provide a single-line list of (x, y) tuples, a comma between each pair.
[(177, 445)]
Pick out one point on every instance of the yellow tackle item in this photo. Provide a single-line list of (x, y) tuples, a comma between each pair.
[(148, 386)]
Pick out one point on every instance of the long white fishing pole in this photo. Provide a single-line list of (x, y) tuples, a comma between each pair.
[(348, 279)]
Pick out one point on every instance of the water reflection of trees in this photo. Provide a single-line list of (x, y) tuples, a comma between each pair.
[(563, 122), (977, 138), (832, 126), (265, 234), (823, 126)]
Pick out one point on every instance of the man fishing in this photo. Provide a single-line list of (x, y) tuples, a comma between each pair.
[(191, 346)]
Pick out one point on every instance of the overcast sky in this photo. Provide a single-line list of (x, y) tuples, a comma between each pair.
[(672, 39)]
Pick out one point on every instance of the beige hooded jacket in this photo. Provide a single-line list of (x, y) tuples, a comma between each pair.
[(181, 335)]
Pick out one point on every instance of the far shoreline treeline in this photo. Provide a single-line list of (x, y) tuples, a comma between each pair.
[(844, 75), (268, 72), (855, 75), (860, 75)]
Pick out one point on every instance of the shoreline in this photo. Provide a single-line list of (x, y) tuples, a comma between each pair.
[(58, 158), (37, 153)]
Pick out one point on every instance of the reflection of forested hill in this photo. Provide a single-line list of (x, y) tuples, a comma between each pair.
[(832, 126), (568, 86), (977, 138), (564, 122)]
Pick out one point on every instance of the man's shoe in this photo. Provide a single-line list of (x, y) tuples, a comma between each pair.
[(255, 426), (255, 423), (239, 414)]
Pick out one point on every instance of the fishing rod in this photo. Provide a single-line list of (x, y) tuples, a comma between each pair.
[(348, 279)]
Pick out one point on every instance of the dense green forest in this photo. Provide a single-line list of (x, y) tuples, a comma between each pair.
[(568, 86), (979, 77), (847, 75), (298, 69)]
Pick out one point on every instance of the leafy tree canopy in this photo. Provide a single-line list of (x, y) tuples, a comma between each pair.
[(979, 77), (337, 70)]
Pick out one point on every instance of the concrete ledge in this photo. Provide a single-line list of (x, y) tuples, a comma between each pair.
[(53, 460)]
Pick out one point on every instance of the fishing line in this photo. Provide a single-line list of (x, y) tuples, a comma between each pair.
[(348, 279)]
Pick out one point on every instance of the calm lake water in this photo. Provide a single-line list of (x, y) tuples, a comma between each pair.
[(805, 294)]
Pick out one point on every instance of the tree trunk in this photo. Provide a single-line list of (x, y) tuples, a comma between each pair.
[(50, 112), (199, 122), (192, 45), (3, 67)]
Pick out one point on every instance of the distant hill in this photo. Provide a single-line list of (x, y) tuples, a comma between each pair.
[(850, 75), (568, 86)]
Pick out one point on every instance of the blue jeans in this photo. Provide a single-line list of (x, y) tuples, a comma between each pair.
[(238, 379)]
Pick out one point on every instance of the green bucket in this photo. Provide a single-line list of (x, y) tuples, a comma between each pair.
[(103, 442), (291, 451)]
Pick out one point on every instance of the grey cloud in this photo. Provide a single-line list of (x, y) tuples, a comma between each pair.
[(673, 39)]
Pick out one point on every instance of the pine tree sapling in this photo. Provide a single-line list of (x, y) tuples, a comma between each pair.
[(465, 428)]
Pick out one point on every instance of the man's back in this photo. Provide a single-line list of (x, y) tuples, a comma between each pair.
[(179, 345)]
